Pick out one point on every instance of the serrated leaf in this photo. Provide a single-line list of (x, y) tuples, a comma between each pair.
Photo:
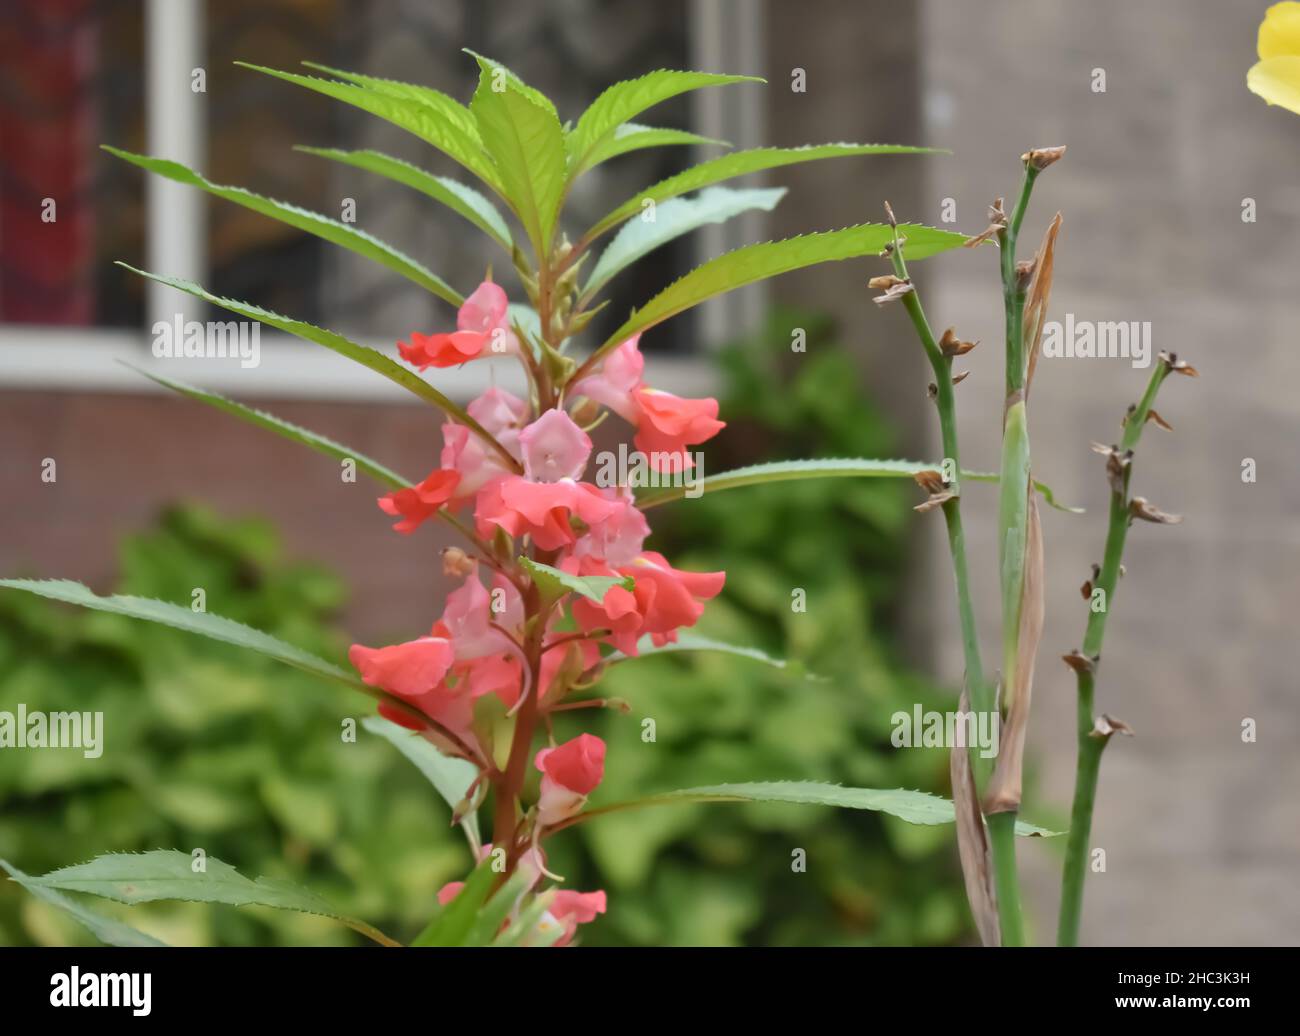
[(634, 137), (625, 100), (364, 355), (205, 624), (526, 142), (740, 163), (105, 929), (673, 219), (169, 874), (450, 777), (690, 641), (293, 432), (554, 583), (796, 470), (768, 259), (331, 230), (440, 125), (915, 807), (464, 201)]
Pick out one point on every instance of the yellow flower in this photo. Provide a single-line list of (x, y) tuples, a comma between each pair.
[(1276, 76)]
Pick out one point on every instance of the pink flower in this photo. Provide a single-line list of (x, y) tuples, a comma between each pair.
[(449, 892), (554, 448), (618, 377), (618, 539), (569, 774), (502, 415), (542, 510), (482, 325), (669, 598), (668, 424), (417, 504), (570, 909), (407, 670), (467, 621)]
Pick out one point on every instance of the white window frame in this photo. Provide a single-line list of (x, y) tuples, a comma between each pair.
[(724, 35)]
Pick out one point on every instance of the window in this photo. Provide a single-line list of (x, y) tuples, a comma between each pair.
[(158, 77)]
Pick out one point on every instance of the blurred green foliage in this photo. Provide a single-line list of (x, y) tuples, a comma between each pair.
[(210, 747), (207, 746), (723, 874)]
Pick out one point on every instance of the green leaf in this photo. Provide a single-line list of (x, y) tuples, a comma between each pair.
[(364, 355), (205, 624), (627, 99), (487, 925), (327, 229), (105, 929), (739, 163), (795, 470), (307, 438), (169, 874), (769, 258), (463, 200), (555, 583), (633, 137), (452, 924), (672, 219), (526, 141), (689, 641), (439, 122), (451, 777), (916, 807)]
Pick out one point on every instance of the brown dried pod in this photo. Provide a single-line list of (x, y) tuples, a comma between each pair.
[(1080, 662), (951, 345), (997, 224), (895, 292), (1140, 507), (1177, 366), (957, 379), (930, 480), (456, 564), (889, 215), (1041, 157), (887, 280), (937, 500), (1106, 726)]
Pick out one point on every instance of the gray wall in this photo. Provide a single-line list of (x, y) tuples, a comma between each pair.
[(1201, 831)]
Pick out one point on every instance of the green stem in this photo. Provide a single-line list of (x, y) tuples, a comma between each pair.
[(1090, 748), (1013, 299), (1002, 840)]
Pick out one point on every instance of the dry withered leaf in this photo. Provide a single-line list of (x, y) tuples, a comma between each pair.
[(1004, 788), (1153, 415), (930, 480), (895, 292), (972, 842), (887, 280), (937, 500), (957, 379), (1140, 507), (1040, 291)]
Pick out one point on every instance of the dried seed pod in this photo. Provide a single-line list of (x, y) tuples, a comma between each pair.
[(1117, 464), (1080, 662), (1041, 157), (930, 480), (895, 292), (889, 215), (997, 224), (456, 564), (951, 345), (1140, 507), (1106, 726), (937, 500), (957, 379), (887, 280), (1177, 366)]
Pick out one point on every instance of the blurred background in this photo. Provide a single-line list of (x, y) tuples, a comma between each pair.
[(156, 495)]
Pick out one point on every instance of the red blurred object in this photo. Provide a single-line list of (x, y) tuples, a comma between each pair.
[(49, 57)]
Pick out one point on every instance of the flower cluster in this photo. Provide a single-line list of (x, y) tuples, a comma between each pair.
[(508, 649)]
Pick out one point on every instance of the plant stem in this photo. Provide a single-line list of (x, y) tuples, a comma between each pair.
[(1090, 747), (1002, 840)]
